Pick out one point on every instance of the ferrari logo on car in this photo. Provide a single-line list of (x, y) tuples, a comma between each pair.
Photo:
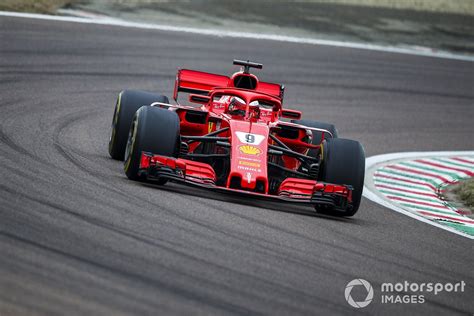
[(249, 177), (250, 150)]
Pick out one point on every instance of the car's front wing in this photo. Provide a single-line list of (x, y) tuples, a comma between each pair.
[(155, 167)]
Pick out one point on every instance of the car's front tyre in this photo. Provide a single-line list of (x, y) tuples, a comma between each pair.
[(128, 102), (152, 130), (343, 162)]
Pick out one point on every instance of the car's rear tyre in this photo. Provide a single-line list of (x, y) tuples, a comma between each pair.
[(317, 136), (128, 102), (343, 163), (153, 130)]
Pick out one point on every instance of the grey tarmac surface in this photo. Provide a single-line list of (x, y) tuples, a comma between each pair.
[(77, 237), (352, 23)]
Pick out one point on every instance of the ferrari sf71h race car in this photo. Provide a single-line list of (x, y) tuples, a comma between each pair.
[(237, 138)]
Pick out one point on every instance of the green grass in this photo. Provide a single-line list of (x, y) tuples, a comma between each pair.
[(36, 6), (465, 191)]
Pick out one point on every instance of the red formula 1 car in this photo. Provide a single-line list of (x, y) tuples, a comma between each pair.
[(237, 138)]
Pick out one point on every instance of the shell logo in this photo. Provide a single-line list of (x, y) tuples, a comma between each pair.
[(250, 150)]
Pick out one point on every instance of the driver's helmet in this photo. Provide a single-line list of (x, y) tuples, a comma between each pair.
[(237, 106), (255, 109)]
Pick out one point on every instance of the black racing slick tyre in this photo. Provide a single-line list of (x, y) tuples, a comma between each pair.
[(154, 130), (344, 163), (128, 102), (317, 136)]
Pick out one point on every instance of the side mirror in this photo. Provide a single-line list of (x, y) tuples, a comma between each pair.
[(197, 98), (291, 114)]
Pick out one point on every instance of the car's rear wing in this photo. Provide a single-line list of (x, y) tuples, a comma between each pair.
[(198, 82)]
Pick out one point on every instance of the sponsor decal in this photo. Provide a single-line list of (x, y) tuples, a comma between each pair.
[(250, 159), (249, 164), (210, 126), (250, 150), (249, 169)]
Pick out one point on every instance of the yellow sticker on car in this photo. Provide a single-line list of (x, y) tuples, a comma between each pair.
[(250, 150), (249, 163)]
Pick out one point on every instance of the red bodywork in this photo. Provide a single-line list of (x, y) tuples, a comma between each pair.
[(242, 117)]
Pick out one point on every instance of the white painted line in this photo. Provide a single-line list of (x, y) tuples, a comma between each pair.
[(449, 167), (403, 180), (403, 186), (369, 193), (457, 162), (417, 51), (405, 175), (439, 170), (428, 199)]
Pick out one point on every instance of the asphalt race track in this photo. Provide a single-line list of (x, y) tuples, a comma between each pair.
[(76, 237)]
